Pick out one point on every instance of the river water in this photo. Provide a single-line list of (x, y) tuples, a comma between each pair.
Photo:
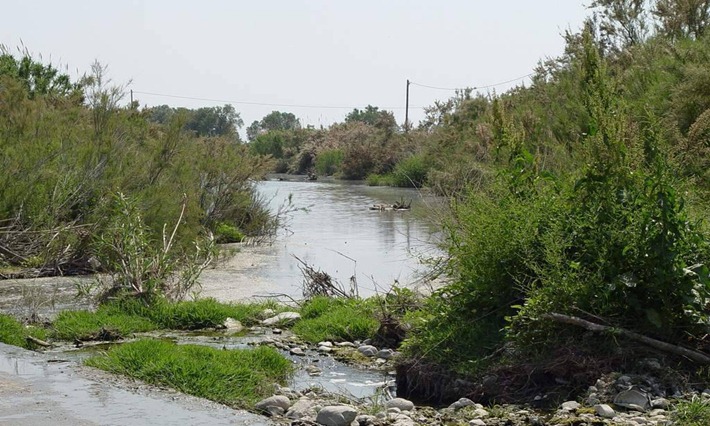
[(331, 228)]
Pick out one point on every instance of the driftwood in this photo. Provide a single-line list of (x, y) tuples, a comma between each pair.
[(39, 342), (319, 283), (695, 356)]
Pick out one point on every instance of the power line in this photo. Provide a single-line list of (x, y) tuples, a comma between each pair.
[(259, 103), (474, 87)]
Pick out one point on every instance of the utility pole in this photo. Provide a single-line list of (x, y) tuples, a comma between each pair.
[(131, 96), (406, 111)]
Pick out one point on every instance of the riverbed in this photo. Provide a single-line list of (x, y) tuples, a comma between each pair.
[(329, 226)]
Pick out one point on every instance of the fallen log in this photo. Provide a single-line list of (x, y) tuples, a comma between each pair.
[(696, 356), (38, 342)]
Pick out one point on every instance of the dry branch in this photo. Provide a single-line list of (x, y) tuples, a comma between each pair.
[(696, 356)]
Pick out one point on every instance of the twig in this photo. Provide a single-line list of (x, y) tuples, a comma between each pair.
[(657, 344)]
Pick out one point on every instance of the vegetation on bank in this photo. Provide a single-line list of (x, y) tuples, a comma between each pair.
[(238, 378)]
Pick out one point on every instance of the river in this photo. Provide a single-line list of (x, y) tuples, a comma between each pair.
[(331, 228)]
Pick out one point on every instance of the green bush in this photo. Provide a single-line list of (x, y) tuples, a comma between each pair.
[(12, 332), (238, 378), (226, 233), (328, 161), (411, 172)]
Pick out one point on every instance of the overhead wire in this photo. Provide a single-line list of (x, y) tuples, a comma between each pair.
[(488, 86)]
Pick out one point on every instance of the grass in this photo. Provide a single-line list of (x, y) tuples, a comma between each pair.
[(12, 332), (695, 412), (336, 319), (128, 316), (238, 378)]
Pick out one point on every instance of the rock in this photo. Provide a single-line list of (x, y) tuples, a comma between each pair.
[(592, 399), (336, 415), (296, 351), (283, 318), (385, 353), (605, 411), (267, 313), (325, 349), (345, 344), (633, 399), (278, 401), (394, 410), (401, 403), (233, 326), (277, 331), (326, 344), (463, 402), (400, 420), (302, 408), (367, 350), (661, 403), (570, 406), (313, 370), (365, 420), (480, 412), (476, 422)]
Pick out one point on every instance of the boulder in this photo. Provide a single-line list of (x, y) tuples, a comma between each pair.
[(284, 318), (296, 351), (304, 407), (604, 411), (463, 402), (367, 350), (336, 415), (233, 326), (277, 401), (401, 403), (633, 399), (570, 406), (385, 353)]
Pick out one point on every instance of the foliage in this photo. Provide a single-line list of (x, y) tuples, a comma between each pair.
[(238, 378), (38, 79), (12, 332), (694, 412), (226, 233), (328, 161), (217, 121), (336, 319), (273, 122)]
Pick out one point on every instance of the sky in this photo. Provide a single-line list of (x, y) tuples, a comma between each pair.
[(315, 58)]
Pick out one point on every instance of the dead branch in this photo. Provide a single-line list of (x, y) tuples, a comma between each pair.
[(319, 283), (38, 342), (696, 356)]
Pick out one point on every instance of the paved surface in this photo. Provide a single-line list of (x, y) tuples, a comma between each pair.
[(38, 389)]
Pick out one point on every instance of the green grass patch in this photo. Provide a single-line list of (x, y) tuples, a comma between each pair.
[(106, 321), (336, 319), (238, 378), (695, 412), (227, 233), (12, 332)]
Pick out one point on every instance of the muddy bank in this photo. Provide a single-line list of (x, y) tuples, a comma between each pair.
[(36, 389)]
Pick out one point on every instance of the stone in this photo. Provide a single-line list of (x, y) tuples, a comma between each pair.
[(284, 318), (463, 402), (400, 420), (313, 371), (365, 420), (401, 403), (393, 410), (277, 331), (480, 412), (604, 411), (278, 401), (385, 353), (570, 406), (633, 399), (345, 344), (593, 399), (325, 349), (336, 415), (476, 422), (304, 407), (233, 326), (326, 344), (367, 350), (296, 351)]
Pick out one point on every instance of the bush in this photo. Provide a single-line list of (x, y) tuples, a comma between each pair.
[(328, 161), (12, 332), (411, 172), (226, 233)]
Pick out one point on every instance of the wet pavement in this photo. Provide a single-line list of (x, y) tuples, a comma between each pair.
[(38, 389)]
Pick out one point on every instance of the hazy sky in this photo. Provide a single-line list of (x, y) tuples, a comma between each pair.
[(297, 52)]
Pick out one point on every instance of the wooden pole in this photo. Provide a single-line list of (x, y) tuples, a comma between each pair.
[(406, 110)]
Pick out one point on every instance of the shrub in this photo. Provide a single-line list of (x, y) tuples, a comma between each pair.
[(227, 233), (328, 161), (411, 172)]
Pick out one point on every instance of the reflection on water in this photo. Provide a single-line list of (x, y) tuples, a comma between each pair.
[(336, 233)]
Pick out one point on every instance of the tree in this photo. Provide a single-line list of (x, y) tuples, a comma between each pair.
[(274, 121), (215, 121), (372, 115), (37, 78), (682, 18), (622, 22)]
